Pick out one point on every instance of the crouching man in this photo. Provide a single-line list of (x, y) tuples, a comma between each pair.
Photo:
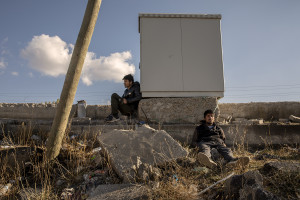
[(128, 103), (209, 135)]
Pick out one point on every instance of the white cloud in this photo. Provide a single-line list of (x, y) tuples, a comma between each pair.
[(51, 56), (111, 68), (15, 73), (30, 74), (2, 63), (48, 55)]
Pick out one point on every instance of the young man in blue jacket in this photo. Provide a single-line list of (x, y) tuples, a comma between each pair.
[(128, 103), (209, 135)]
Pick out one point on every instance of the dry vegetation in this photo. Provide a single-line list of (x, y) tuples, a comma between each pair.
[(183, 179)]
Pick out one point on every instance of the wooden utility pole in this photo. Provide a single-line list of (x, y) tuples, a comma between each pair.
[(72, 78)]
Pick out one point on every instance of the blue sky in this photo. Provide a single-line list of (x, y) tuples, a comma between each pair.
[(260, 39)]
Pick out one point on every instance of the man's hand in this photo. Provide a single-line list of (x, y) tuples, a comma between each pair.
[(124, 101)]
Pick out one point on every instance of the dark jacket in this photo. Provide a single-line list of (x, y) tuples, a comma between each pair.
[(133, 95), (203, 133)]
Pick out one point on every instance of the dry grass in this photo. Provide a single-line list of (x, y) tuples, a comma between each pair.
[(182, 179), (37, 179)]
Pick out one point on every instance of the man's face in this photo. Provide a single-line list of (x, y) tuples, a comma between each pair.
[(210, 118), (127, 83)]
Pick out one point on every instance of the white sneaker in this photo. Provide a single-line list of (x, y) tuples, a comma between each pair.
[(242, 161), (206, 161)]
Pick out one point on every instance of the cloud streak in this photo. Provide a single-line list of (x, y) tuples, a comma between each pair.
[(51, 57), (3, 64), (15, 73)]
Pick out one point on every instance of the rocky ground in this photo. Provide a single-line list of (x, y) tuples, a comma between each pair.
[(85, 170)]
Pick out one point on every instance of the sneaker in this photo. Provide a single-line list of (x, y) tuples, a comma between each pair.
[(111, 118), (205, 160), (242, 161)]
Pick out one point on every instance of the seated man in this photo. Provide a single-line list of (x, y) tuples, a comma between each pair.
[(128, 103), (209, 135)]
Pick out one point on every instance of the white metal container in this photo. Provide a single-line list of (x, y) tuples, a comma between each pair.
[(181, 55)]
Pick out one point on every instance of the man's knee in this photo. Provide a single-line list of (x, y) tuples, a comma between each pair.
[(203, 147), (114, 95)]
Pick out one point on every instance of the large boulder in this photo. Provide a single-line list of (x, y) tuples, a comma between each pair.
[(247, 186), (119, 191), (128, 149), (256, 192), (277, 166)]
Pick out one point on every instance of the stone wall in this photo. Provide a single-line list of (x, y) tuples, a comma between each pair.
[(265, 110), (170, 110), (29, 111)]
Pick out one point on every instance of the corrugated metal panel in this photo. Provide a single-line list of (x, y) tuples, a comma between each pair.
[(166, 15)]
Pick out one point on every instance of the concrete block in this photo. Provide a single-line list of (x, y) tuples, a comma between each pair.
[(294, 118), (236, 122), (81, 121), (125, 148), (98, 111), (284, 120), (240, 119), (176, 110), (255, 121)]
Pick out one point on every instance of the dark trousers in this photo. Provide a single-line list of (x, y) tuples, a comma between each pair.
[(205, 148), (118, 105)]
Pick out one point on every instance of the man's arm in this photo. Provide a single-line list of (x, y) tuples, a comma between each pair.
[(195, 138), (137, 96)]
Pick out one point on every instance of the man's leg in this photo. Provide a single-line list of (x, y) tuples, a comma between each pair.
[(115, 104), (125, 109), (228, 156), (225, 152), (204, 148), (204, 155)]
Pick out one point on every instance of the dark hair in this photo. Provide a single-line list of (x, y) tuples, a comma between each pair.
[(208, 112), (128, 77)]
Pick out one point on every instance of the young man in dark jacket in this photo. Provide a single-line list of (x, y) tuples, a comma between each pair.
[(128, 103), (209, 135)]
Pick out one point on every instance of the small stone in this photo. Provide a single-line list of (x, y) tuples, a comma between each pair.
[(59, 182), (284, 120), (67, 194), (4, 189), (86, 177), (255, 121), (240, 119), (155, 185), (96, 150), (36, 137), (201, 169)]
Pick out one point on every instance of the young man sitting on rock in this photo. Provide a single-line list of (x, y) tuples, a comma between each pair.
[(209, 135), (128, 103)]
